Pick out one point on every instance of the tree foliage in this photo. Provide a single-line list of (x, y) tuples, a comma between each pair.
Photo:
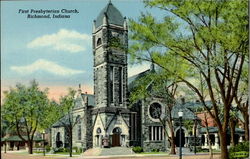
[(206, 38), (67, 119), (29, 110)]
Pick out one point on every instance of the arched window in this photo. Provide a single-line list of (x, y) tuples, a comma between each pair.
[(58, 136), (78, 119), (79, 132), (98, 131), (99, 41), (79, 127), (117, 130)]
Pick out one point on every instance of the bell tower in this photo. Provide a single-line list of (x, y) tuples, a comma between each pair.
[(110, 46)]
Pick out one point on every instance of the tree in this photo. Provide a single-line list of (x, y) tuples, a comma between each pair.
[(212, 40), (208, 135), (28, 109), (242, 98), (232, 125), (156, 85), (66, 116)]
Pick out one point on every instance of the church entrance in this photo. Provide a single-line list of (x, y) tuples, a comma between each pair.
[(177, 138), (116, 140), (116, 137)]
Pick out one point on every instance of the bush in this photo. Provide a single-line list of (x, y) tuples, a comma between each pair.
[(61, 149), (75, 149), (198, 149), (66, 150), (155, 150), (47, 148), (81, 150), (137, 149), (244, 146)]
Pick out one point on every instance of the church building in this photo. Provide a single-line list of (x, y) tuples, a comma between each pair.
[(105, 118)]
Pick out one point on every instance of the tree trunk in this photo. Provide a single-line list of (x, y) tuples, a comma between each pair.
[(171, 138), (208, 138), (30, 146), (209, 144), (246, 125), (5, 147), (232, 131), (223, 144), (70, 144), (172, 151)]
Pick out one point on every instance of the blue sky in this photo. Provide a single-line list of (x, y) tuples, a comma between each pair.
[(55, 52)]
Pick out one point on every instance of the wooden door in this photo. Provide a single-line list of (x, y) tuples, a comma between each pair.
[(116, 140)]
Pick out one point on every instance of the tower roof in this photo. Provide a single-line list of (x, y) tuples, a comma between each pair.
[(114, 16)]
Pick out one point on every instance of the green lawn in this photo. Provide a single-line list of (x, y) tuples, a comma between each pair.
[(67, 153), (164, 153)]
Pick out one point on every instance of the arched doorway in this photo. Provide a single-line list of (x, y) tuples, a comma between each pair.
[(98, 137), (177, 138), (58, 140), (116, 137)]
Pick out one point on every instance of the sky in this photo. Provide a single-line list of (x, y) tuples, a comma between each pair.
[(56, 52)]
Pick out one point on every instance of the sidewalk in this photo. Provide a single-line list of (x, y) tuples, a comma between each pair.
[(25, 155)]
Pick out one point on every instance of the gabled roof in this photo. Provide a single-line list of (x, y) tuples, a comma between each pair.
[(187, 113), (62, 121), (132, 80), (197, 105), (238, 131), (113, 15)]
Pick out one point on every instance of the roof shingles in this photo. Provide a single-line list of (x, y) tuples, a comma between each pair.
[(114, 16)]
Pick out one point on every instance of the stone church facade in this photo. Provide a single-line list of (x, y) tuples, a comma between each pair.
[(105, 118), (104, 115)]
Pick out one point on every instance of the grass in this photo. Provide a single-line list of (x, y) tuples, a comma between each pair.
[(153, 153), (67, 153)]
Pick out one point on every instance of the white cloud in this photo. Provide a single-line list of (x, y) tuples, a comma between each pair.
[(64, 40), (44, 65), (133, 70)]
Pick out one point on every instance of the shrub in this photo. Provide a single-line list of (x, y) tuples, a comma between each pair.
[(155, 150), (137, 149), (244, 146), (198, 149), (47, 148), (61, 149), (66, 150), (81, 150), (75, 149)]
